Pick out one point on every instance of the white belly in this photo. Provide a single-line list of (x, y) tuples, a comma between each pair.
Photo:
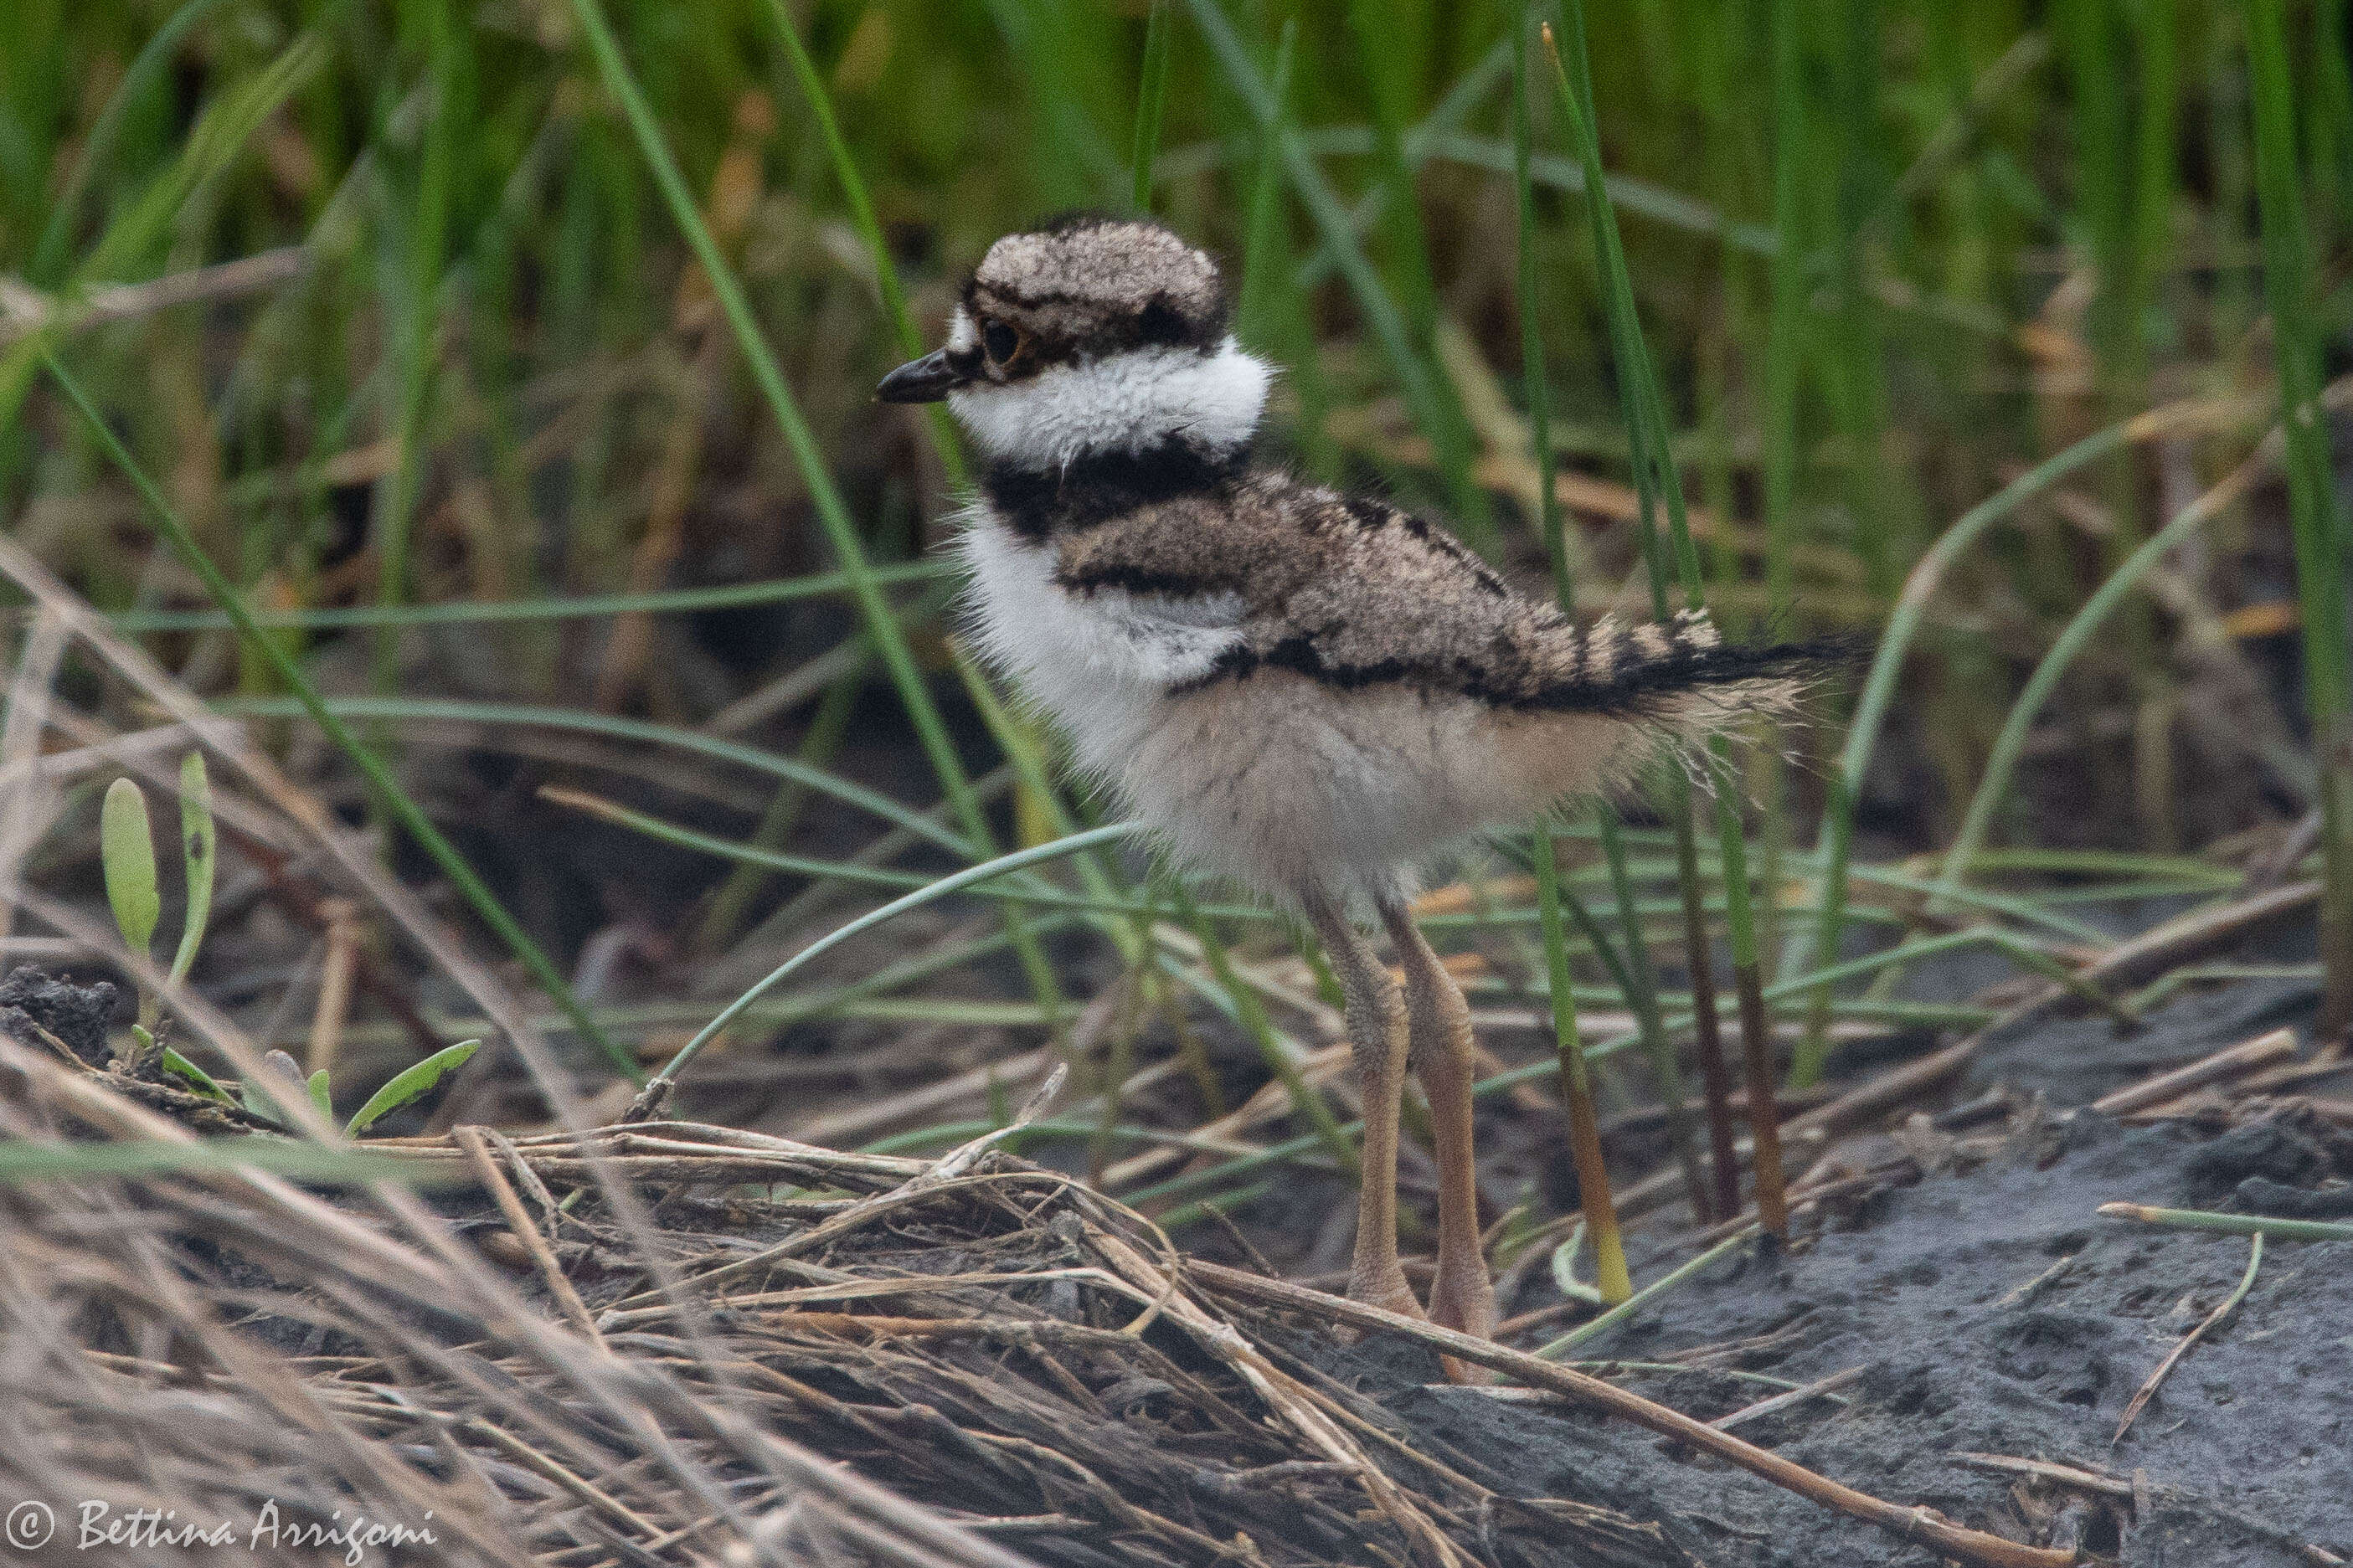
[(1272, 780), (1287, 785)]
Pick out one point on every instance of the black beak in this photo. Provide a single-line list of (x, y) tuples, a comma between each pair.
[(927, 380)]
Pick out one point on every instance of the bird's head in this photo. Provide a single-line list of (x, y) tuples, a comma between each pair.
[(1091, 336)]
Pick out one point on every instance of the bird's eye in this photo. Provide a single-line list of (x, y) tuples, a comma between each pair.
[(1001, 340)]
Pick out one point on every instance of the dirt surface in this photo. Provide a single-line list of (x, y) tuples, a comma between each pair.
[(1993, 1313), (2074, 1061), (77, 1015)]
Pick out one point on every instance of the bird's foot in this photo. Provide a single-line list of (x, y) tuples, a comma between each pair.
[(1381, 1282), (1462, 1298), (1468, 1308)]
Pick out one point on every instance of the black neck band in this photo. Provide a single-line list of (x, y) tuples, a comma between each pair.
[(1037, 503)]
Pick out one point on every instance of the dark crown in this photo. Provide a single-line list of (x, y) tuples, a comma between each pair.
[(1086, 286)]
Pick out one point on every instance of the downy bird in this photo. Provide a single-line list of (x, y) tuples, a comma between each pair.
[(1303, 691)]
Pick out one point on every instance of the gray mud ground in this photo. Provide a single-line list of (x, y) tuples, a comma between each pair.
[(2247, 1451), (2074, 1061)]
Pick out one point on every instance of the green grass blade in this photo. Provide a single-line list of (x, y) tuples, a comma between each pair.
[(1654, 470), (218, 138), (583, 721), (723, 911), (1150, 90), (1438, 135), (2332, 111), (209, 149), (1660, 486), (1786, 310), (1593, 1328), (1536, 388), (1433, 140), (1577, 1086), (417, 312), (194, 1076), (1074, 164), (2231, 1224), (478, 612), (2011, 745), (1039, 893), (1575, 1078), (841, 533), (870, 232), (147, 69), (1383, 41), (1722, 1199), (1426, 396), (2316, 513), (942, 430), (1263, 245), (1904, 624), (1020, 860)]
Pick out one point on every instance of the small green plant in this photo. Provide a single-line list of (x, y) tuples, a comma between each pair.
[(270, 1096), (127, 852)]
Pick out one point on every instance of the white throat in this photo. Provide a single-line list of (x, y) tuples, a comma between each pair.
[(1125, 402)]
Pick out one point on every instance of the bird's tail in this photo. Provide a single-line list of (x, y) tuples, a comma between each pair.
[(1679, 676)]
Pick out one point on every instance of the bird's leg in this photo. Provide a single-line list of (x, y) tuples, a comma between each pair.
[(1464, 1295), (1377, 1032)]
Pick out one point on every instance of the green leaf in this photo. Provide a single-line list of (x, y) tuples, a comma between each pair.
[(407, 1084), (321, 1096), (197, 844), (126, 848), (198, 1079)]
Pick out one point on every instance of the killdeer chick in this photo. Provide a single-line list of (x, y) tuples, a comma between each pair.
[(1303, 691)]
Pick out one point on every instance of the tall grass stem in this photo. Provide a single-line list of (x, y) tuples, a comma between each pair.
[(870, 232), (1658, 483), (2316, 511), (1576, 1080)]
